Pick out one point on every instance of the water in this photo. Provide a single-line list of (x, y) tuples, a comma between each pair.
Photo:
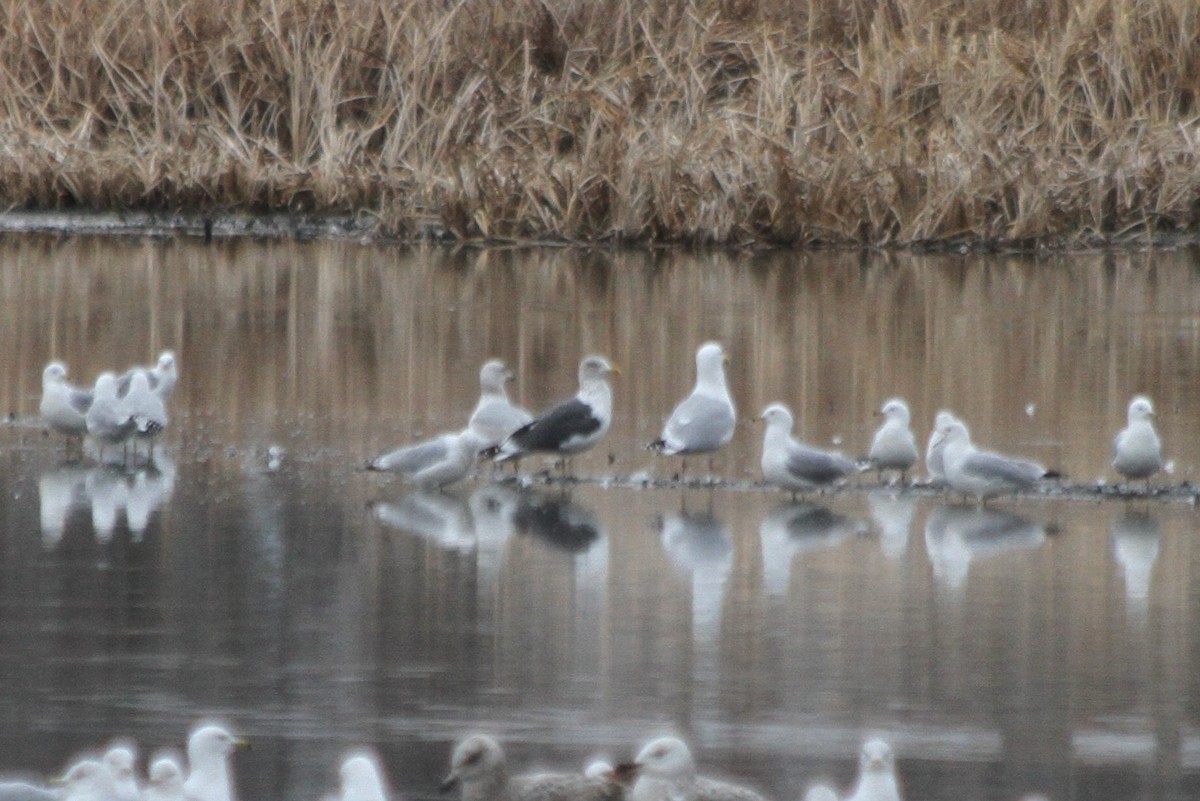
[(1044, 645)]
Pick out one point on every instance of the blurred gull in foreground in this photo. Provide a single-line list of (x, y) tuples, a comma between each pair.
[(667, 772), (479, 770), (704, 421), (1137, 449), (876, 773), (209, 779), (362, 779), (793, 466), (164, 779), (894, 446)]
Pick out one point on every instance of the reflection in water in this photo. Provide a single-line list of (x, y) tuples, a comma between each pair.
[(893, 515), (699, 544), (108, 491), (792, 528), (957, 535), (1135, 543), (440, 517), (556, 520)]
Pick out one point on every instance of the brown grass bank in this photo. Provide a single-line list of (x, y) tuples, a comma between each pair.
[(710, 121)]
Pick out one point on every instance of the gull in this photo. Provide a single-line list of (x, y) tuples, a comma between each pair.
[(165, 779), (107, 422), (27, 791), (667, 772), (443, 460), (145, 408), (793, 466), (88, 780), (362, 779), (1137, 450), (479, 770), (64, 407), (209, 779), (572, 426), (983, 474), (162, 377), (495, 417), (703, 422), (934, 451), (876, 773), (820, 792), (894, 447)]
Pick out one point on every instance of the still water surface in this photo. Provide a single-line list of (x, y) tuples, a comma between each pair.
[(1038, 646)]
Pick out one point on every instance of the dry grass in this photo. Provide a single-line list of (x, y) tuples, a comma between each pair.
[(711, 121)]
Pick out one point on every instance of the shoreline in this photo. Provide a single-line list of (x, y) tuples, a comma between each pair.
[(229, 226)]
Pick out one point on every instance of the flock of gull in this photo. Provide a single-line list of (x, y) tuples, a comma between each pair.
[(704, 422), (125, 410), (663, 770)]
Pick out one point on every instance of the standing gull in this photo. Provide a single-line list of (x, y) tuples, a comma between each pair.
[(88, 780), (146, 409), (570, 427), (495, 416), (876, 773), (981, 473), (703, 422), (934, 452), (793, 466), (478, 768), (64, 407), (209, 779), (442, 460), (894, 447), (106, 421), (1137, 450), (667, 772), (162, 377), (121, 761)]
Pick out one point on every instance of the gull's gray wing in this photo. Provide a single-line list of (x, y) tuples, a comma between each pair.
[(699, 424), (996, 468), (80, 399), (816, 466)]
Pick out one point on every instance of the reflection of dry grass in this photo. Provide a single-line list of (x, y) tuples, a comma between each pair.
[(704, 121)]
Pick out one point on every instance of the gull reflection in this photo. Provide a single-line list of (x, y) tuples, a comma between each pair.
[(442, 518), (792, 528), (957, 535), (699, 544), (493, 509), (59, 492), (108, 491), (893, 515), (557, 521), (1135, 542)]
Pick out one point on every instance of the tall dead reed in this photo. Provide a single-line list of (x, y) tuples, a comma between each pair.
[(699, 121)]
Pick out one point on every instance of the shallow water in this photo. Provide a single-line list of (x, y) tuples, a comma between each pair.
[(1040, 646)]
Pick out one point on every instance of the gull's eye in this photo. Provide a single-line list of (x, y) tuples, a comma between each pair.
[(473, 758)]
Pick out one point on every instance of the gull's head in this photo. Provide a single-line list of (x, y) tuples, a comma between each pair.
[(120, 760), (139, 384), (666, 758), (953, 431), (211, 743), (598, 768), (876, 757), (896, 409), (106, 386), (943, 419), (166, 361), (493, 376), (595, 368), (165, 772), (710, 357), (55, 373), (361, 777), (777, 416), (1140, 409), (475, 757)]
